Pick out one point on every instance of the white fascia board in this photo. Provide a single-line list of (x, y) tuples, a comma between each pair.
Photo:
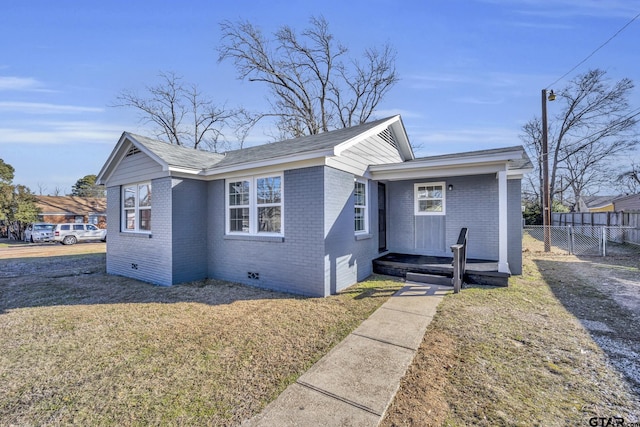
[(241, 172), (433, 172), (521, 172), (500, 158), (112, 161), (343, 146), (404, 146), (185, 171), (278, 168), (278, 162), (346, 167)]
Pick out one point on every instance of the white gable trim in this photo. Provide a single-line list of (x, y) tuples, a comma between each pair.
[(396, 128), (119, 152)]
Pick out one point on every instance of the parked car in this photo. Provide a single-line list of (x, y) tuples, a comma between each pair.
[(39, 232), (72, 233)]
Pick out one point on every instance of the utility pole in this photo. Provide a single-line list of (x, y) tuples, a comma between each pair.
[(546, 197)]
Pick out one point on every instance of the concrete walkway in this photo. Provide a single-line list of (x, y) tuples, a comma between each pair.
[(355, 382)]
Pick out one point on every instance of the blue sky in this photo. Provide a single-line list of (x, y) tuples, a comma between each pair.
[(471, 71)]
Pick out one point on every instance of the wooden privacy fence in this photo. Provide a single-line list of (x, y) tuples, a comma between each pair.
[(630, 221)]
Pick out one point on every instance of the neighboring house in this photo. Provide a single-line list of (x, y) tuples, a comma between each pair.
[(58, 209), (307, 215), (629, 203), (596, 204)]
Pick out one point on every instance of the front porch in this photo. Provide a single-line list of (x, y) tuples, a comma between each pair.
[(435, 268)]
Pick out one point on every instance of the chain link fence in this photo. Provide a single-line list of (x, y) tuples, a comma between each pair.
[(583, 239)]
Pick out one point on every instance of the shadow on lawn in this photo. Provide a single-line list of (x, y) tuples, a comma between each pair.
[(372, 289), (579, 287), (82, 280)]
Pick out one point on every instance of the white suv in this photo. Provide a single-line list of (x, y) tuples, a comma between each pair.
[(38, 232), (71, 233)]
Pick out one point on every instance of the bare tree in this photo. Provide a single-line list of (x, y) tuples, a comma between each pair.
[(315, 87), (629, 180), (594, 125), (41, 188), (181, 114)]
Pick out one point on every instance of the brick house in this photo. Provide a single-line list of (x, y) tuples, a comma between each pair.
[(307, 215), (58, 209)]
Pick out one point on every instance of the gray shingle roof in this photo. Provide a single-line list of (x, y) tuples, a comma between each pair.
[(322, 141), (594, 202), (195, 159), (523, 163), (175, 155)]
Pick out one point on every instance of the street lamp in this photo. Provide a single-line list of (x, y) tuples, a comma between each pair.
[(546, 197)]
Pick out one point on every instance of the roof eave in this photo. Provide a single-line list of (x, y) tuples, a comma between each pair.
[(483, 163), (497, 158), (281, 160)]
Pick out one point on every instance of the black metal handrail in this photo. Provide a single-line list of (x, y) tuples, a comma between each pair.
[(459, 260)]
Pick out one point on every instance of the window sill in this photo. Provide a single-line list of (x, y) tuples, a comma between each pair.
[(136, 234), (364, 236), (254, 238)]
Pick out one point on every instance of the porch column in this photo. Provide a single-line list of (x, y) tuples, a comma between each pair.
[(503, 264)]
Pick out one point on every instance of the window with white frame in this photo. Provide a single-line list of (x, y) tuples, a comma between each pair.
[(238, 196), (254, 205), (360, 204), (136, 207), (429, 198)]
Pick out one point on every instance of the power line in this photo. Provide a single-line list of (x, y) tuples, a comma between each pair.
[(601, 132), (597, 49)]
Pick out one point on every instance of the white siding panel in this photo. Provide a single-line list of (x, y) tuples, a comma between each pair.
[(371, 151), (138, 167)]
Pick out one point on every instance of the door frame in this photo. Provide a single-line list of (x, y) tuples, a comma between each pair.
[(382, 217)]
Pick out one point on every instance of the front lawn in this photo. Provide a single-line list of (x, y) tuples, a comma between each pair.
[(544, 351), (78, 346)]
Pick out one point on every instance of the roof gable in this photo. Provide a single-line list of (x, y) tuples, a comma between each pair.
[(168, 156)]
